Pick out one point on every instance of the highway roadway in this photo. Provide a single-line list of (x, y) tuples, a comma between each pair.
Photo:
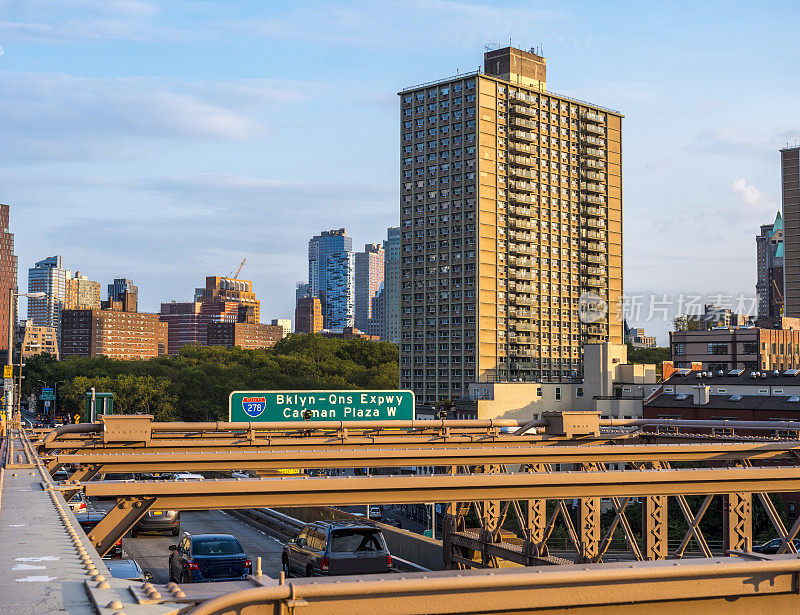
[(151, 550)]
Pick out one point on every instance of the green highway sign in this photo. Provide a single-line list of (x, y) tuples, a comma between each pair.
[(267, 406)]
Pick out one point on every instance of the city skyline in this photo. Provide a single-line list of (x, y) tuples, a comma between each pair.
[(697, 147)]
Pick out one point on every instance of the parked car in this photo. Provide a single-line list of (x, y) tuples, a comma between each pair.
[(61, 474), (158, 521), (337, 547), (375, 512), (772, 546), (187, 476), (208, 557), (88, 520), (128, 569), (77, 503)]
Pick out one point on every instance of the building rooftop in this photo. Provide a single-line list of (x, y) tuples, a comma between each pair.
[(734, 376), (785, 403)]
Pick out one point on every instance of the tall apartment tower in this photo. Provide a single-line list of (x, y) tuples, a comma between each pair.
[(369, 277), (124, 285), (769, 268), (331, 276), (790, 197), (81, 293), (391, 286), (8, 277), (50, 277), (511, 222)]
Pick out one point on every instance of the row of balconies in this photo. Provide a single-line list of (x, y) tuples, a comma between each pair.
[(593, 164), (598, 130), (524, 160), (591, 151), (593, 175), (595, 270), (593, 211), (521, 198), (592, 187), (593, 140), (520, 121), (520, 172), (594, 235), (593, 282), (593, 258), (594, 246), (595, 222), (592, 116), (522, 147)]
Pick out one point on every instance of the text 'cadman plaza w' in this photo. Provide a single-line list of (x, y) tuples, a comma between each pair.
[(265, 406)]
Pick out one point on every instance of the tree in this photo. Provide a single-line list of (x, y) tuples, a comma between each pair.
[(685, 322)]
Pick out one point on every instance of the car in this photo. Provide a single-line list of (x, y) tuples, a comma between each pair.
[(375, 512), (394, 522), (158, 521), (128, 569), (187, 476), (337, 547), (88, 520), (199, 558), (772, 546), (61, 474), (77, 503)]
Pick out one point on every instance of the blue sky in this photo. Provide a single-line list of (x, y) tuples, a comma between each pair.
[(165, 141)]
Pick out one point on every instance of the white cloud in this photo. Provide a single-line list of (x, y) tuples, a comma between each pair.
[(755, 201)]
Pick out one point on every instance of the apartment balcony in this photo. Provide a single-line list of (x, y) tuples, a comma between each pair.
[(593, 282), (521, 300), (595, 270), (591, 116), (593, 128), (529, 111), (523, 367), (593, 211), (525, 136), (520, 262), (593, 258), (522, 236), (521, 326), (594, 246), (592, 187), (524, 160), (523, 352), (523, 147), (592, 152), (521, 121), (522, 211), (593, 175), (523, 288), (517, 223), (595, 235), (523, 274), (588, 139), (523, 185), (521, 198), (521, 340), (595, 223), (589, 163), (518, 248), (519, 172)]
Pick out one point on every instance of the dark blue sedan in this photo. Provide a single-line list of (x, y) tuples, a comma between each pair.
[(208, 557)]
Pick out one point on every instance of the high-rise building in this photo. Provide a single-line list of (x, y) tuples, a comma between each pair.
[(284, 323), (377, 321), (232, 290), (769, 268), (112, 333), (790, 197), (511, 222), (81, 293), (49, 277), (246, 335), (8, 277), (308, 315), (184, 324), (391, 287), (303, 290), (331, 276), (369, 278), (37, 340), (117, 290)]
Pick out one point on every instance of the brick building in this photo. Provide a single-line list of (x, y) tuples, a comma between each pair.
[(8, 275), (308, 315), (81, 293), (37, 340), (112, 333), (247, 335)]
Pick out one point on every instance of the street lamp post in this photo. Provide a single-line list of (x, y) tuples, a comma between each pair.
[(12, 296)]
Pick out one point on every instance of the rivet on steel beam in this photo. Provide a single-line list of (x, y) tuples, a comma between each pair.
[(154, 595), (120, 613), (178, 593), (114, 604), (103, 585), (98, 577)]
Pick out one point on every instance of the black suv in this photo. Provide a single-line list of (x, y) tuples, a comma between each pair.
[(208, 557), (337, 547), (88, 519)]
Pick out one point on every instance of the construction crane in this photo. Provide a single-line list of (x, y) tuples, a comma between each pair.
[(780, 294), (239, 270)]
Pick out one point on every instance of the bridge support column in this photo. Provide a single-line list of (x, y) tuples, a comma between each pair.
[(589, 521), (737, 522), (654, 527)]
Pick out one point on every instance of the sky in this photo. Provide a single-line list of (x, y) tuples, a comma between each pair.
[(167, 141)]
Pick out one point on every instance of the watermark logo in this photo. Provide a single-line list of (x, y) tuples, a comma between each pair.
[(591, 308), (254, 406)]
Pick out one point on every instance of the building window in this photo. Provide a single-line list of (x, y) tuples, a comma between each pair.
[(715, 348), (558, 393), (579, 392), (678, 348)]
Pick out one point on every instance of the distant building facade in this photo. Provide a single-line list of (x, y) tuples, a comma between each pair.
[(769, 268), (351, 333), (308, 315), (49, 277), (331, 277), (283, 323), (231, 290), (391, 287), (8, 276), (37, 340), (184, 324), (369, 278), (124, 289), (790, 200), (639, 339), (81, 293), (112, 333), (249, 336), (749, 348)]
